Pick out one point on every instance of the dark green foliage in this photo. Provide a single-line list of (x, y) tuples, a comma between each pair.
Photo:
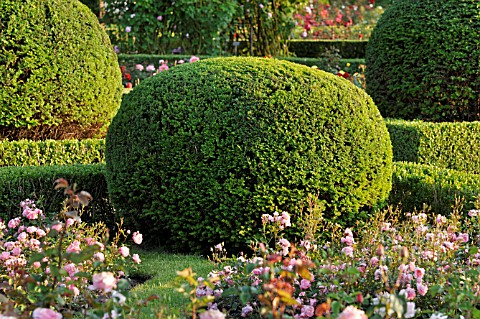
[(416, 184), (60, 76), (37, 182), (93, 5), (348, 49), (51, 152), (423, 60), (198, 153), (445, 145)]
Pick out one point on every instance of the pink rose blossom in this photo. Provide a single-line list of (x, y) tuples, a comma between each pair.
[(307, 311), (37, 265), (419, 273), (74, 247), (351, 312), (194, 59), (348, 251), (69, 222), (32, 229), (16, 251), (139, 67), (104, 281), (136, 258), (305, 284), (70, 269), (212, 314), (150, 68), (46, 313), (58, 227), (349, 241), (5, 255), (124, 251), (99, 256), (410, 293), (40, 233), (137, 238), (74, 289), (14, 223), (422, 289), (163, 67), (22, 236), (285, 244)]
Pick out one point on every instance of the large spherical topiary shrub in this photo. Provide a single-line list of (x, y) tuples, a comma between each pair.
[(423, 60), (198, 153), (59, 74)]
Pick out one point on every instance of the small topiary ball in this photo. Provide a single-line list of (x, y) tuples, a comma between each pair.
[(198, 153), (423, 60), (60, 77)]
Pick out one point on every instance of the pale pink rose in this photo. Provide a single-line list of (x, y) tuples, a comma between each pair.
[(307, 311), (74, 247), (348, 232), (348, 251), (448, 245), (90, 241), (16, 251), (212, 314), (163, 67), (139, 67), (374, 261), (69, 222), (124, 251), (285, 221), (422, 289), (419, 273), (351, 312), (463, 237), (99, 256), (180, 62), (137, 238), (136, 258), (37, 265), (194, 59), (31, 229), (285, 244), (46, 313), (150, 68), (5, 255), (410, 293), (305, 284), (348, 240), (410, 310), (104, 281), (22, 236), (71, 269), (31, 213), (41, 233), (58, 227), (14, 223)]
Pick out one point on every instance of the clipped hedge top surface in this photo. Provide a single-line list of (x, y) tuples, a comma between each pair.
[(423, 60), (202, 150), (60, 75)]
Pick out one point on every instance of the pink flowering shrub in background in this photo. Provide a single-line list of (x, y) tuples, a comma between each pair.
[(337, 20), (54, 267), (418, 265)]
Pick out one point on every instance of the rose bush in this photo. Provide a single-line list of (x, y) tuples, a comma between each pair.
[(55, 266), (407, 266)]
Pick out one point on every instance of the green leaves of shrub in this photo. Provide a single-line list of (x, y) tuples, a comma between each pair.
[(198, 153)]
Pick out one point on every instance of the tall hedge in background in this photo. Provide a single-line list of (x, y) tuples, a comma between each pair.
[(60, 75), (423, 60), (198, 153)]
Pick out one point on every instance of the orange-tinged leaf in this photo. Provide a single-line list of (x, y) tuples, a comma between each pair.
[(60, 183)]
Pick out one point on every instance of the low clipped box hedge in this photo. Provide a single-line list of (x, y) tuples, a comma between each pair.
[(60, 74), (415, 185), (51, 152), (453, 145), (198, 153), (37, 183), (423, 60)]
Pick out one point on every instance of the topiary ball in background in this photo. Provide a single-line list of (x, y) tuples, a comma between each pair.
[(198, 153), (60, 75), (423, 60)]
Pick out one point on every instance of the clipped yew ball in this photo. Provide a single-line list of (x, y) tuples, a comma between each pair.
[(423, 60), (198, 153), (59, 74)]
